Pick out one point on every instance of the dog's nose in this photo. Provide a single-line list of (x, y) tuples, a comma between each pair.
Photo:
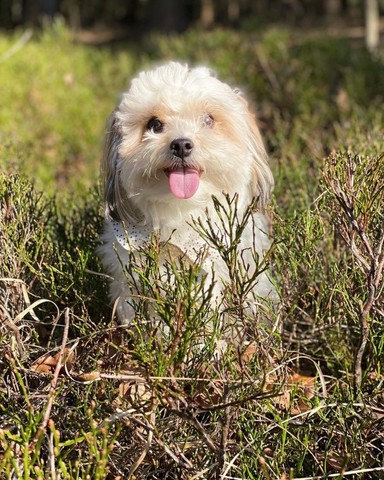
[(182, 147)]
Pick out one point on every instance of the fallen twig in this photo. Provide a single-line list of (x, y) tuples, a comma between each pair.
[(52, 392), (25, 37)]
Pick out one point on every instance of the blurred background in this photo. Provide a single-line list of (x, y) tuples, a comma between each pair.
[(118, 18), (312, 70)]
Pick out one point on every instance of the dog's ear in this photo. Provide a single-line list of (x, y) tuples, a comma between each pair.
[(110, 169), (262, 179)]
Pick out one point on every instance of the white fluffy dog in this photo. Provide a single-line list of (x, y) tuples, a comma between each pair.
[(178, 137)]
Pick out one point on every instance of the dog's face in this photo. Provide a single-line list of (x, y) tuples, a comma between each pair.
[(181, 135)]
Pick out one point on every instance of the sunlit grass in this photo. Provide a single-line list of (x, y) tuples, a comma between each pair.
[(138, 404)]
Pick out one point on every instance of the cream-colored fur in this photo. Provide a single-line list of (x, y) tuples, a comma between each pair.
[(170, 103)]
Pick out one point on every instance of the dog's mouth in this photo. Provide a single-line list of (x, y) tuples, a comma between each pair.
[(183, 181)]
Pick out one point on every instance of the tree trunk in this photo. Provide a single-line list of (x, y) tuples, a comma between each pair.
[(233, 10), (372, 24), (6, 13), (207, 13), (332, 8), (167, 16)]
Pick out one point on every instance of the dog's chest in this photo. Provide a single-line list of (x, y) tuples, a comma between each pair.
[(185, 241)]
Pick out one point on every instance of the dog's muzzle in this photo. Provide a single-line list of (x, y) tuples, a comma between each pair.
[(183, 179), (181, 147)]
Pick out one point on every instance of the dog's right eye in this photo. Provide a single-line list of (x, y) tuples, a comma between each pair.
[(155, 125)]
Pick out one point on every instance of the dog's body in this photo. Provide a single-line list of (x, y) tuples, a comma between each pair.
[(177, 138)]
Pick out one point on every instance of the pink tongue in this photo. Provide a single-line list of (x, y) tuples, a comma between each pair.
[(183, 182)]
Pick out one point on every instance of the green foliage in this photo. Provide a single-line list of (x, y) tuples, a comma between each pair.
[(356, 188), (55, 101), (174, 320), (149, 401)]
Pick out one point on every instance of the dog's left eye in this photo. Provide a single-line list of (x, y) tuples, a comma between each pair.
[(208, 120), (155, 125)]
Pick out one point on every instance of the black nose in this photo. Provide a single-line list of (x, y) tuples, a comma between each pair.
[(182, 147)]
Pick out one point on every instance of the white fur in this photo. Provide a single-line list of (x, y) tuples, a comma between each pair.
[(230, 155)]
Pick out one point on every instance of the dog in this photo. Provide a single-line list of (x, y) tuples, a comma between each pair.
[(178, 138)]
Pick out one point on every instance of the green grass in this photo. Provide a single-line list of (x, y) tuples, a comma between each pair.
[(51, 89), (140, 404)]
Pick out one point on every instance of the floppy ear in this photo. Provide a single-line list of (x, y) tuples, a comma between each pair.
[(262, 179), (110, 172)]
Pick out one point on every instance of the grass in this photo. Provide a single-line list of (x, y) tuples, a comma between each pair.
[(128, 404)]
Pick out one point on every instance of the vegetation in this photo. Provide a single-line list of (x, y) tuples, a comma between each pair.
[(81, 398)]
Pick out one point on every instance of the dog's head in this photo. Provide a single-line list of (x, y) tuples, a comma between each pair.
[(181, 135)]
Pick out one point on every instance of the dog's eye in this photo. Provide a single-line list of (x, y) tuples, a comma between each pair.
[(155, 125), (208, 120)]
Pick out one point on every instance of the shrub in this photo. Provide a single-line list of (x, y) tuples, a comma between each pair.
[(81, 397)]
